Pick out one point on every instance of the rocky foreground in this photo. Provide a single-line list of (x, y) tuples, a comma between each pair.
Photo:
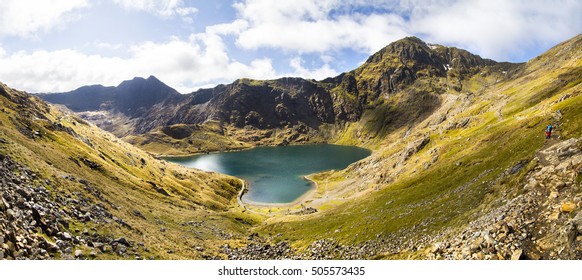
[(36, 223), (542, 222)]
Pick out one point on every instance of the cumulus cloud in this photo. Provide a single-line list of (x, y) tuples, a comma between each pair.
[(495, 28), (24, 18), (183, 64), (492, 28), (162, 8), (315, 26)]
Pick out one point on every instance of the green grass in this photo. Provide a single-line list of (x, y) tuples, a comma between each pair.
[(429, 201), (572, 115), (507, 124)]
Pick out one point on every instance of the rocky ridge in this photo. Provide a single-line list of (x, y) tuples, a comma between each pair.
[(274, 112)]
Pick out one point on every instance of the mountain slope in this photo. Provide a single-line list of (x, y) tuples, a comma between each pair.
[(71, 190), (463, 173), (460, 167)]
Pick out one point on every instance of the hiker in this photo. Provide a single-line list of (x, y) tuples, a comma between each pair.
[(549, 131)]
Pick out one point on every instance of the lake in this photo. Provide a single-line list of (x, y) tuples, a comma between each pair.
[(275, 174)]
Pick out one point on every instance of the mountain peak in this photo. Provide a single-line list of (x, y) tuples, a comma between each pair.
[(410, 40), (153, 78)]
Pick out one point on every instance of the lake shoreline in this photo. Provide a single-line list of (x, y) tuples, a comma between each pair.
[(300, 200), (270, 169)]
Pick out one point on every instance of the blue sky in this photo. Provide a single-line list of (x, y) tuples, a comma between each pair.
[(59, 45)]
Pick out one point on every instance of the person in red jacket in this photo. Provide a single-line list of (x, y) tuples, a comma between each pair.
[(549, 131)]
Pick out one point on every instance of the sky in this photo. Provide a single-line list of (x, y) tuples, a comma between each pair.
[(60, 45)]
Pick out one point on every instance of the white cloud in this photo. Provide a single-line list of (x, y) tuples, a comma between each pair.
[(24, 18), (162, 8), (185, 65), (308, 26), (496, 29), (235, 27)]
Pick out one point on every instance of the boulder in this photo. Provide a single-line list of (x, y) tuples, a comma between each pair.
[(577, 221), (122, 241), (568, 207), (67, 236), (516, 254), (78, 254)]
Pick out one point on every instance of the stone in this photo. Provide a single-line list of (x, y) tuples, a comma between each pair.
[(568, 207), (78, 254), (12, 215), (560, 185), (466, 252), (577, 221), (479, 256), (105, 248), (516, 254), (121, 240), (67, 236)]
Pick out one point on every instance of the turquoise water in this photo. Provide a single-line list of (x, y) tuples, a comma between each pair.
[(275, 174)]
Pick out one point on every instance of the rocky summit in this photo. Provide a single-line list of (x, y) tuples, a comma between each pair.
[(460, 168)]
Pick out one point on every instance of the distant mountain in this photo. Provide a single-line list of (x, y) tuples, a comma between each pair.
[(132, 98), (86, 98), (135, 97)]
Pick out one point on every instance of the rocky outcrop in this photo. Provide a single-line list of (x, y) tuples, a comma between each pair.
[(544, 222)]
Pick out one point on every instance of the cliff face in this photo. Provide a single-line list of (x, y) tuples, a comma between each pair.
[(263, 105)]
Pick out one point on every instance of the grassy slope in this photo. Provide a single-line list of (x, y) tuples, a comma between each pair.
[(507, 124), (208, 137), (124, 180)]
